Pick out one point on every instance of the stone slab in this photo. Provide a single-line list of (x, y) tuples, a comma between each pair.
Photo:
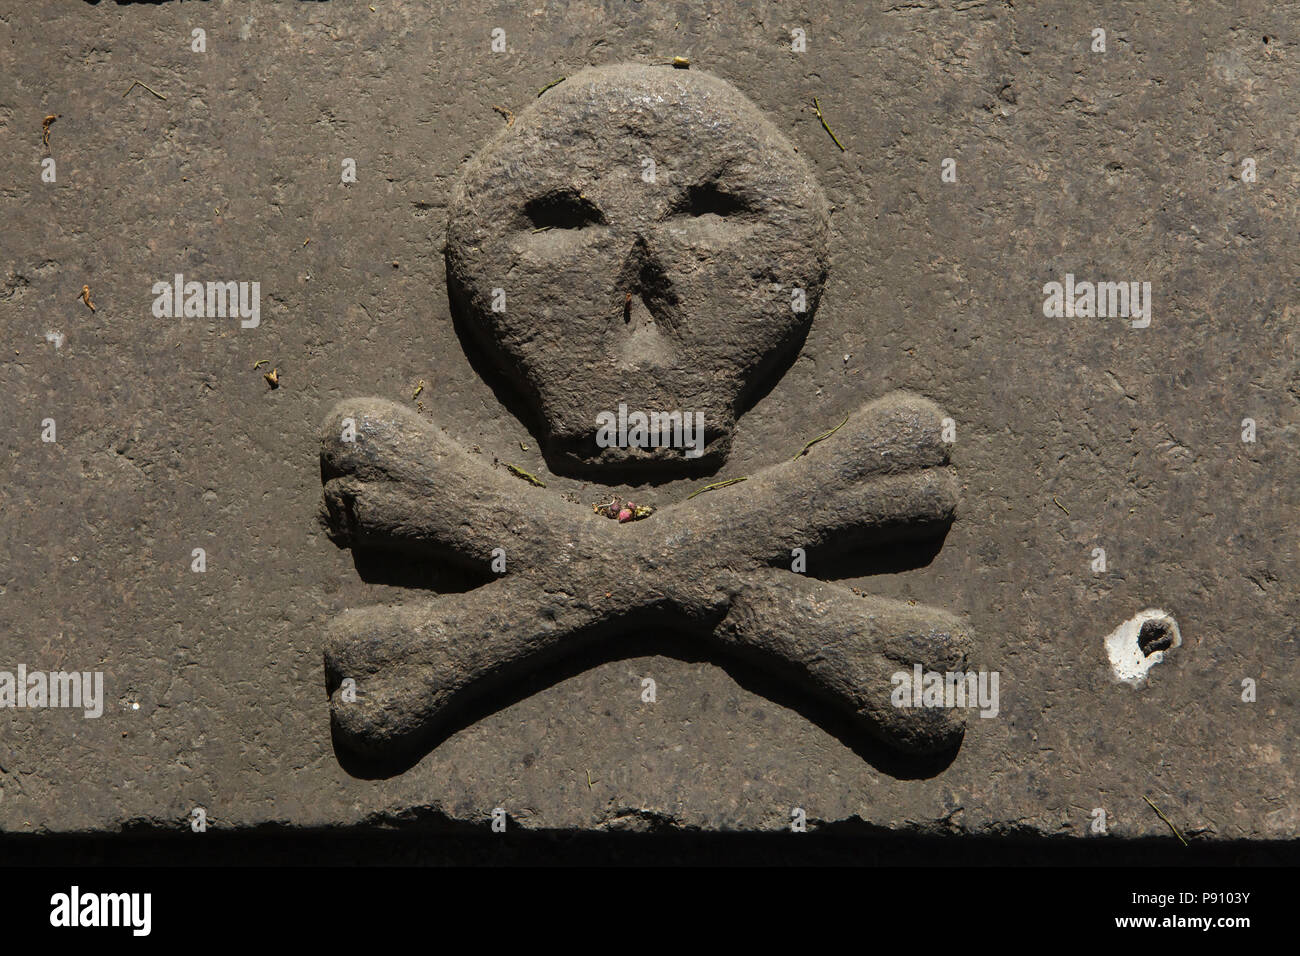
[(1072, 433)]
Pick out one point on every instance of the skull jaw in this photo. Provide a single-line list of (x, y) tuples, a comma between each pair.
[(580, 455), (577, 445), (659, 425)]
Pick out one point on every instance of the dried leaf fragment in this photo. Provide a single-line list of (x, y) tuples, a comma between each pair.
[(520, 473)]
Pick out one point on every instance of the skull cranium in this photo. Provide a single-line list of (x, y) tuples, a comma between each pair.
[(640, 236)]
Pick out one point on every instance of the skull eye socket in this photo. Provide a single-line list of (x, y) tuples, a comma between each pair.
[(563, 209), (705, 199)]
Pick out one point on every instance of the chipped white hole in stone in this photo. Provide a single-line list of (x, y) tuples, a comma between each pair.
[(1129, 660)]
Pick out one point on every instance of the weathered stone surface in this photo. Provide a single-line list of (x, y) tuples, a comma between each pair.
[(1072, 434)]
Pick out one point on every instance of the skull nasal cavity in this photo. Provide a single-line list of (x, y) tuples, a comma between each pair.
[(654, 287), (562, 209), (644, 345)]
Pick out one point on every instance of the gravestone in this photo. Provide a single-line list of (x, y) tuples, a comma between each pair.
[(342, 354)]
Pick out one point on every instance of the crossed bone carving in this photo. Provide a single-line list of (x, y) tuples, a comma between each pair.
[(713, 567)]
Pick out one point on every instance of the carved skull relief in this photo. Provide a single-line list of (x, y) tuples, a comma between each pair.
[(644, 236)]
